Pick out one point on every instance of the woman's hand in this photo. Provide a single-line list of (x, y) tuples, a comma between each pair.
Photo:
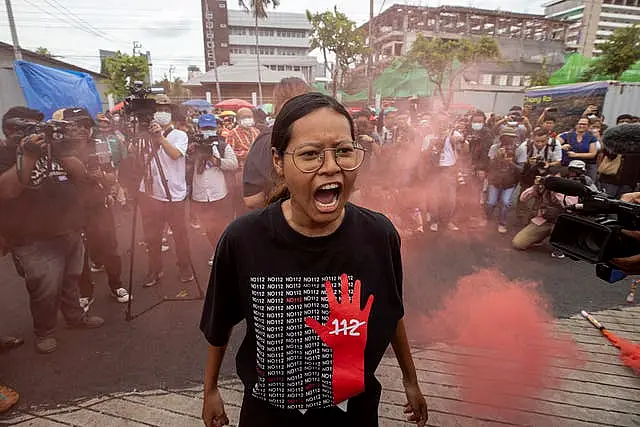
[(571, 154), (213, 413), (416, 407)]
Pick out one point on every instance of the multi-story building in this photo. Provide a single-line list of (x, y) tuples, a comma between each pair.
[(591, 22), (525, 40), (230, 38)]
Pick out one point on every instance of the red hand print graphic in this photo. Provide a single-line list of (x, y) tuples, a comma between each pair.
[(346, 333)]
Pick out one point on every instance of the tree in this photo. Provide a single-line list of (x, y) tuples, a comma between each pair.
[(334, 32), (446, 60), (258, 8), (44, 52), (173, 89), (542, 76), (119, 67), (620, 52)]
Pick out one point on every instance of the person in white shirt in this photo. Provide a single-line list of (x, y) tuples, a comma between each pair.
[(164, 191), (210, 193), (441, 148)]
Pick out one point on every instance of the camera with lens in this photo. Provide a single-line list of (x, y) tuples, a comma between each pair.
[(53, 130), (138, 105), (205, 140), (591, 230)]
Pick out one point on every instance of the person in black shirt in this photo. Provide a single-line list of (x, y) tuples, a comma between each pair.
[(40, 218), (319, 282)]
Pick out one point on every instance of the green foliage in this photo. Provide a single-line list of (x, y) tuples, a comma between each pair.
[(173, 89), (619, 53), (445, 60), (258, 8), (334, 32), (541, 78), (44, 52), (119, 67)]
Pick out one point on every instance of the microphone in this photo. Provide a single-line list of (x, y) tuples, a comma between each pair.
[(565, 186), (623, 139)]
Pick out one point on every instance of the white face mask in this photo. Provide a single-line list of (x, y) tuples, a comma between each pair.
[(162, 117), (477, 126), (522, 127), (209, 133), (512, 124), (246, 123)]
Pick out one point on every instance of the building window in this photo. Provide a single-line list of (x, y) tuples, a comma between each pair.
[(222, 5), (516, 81), (223, 25), (486, 79), (280, 67), (296, 68), (209, 15), (502, 80), (224, 45), (526, 81)]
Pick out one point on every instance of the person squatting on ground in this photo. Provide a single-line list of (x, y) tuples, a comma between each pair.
[(547, 206), (41, 216), (309, 256), (503, 176), (163, 193), (210, 193)]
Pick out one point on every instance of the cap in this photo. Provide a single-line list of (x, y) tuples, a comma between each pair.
[(73, 115), (102, 118), (578, 164), (207, 120), (508, 131), (162, 99)]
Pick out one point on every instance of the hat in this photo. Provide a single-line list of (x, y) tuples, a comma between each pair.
[(207, 121), (578, 164), (73, 115), (508, 131), (102, 118), (162, 99)]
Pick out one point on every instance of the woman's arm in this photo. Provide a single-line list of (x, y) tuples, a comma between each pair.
[(416, 407), (213, 413), (593, 152)]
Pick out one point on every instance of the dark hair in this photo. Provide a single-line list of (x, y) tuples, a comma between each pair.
[(20, 112), (478, 113), (292, 111), (549, 118), (540, 132), (287, 89), (624, 117)]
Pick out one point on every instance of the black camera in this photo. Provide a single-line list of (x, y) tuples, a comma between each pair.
[(100, 157), (204, 141), (53, 130), (138, 105), (592, 230)]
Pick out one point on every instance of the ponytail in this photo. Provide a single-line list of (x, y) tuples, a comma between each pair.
[(278, 193)]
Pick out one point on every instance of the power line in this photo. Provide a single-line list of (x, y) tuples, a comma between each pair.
[(62, 18), (79, 18), (88, 28)]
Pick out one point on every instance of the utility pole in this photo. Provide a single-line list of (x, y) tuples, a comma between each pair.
[(136, 45), (14, 34), (369, 72)]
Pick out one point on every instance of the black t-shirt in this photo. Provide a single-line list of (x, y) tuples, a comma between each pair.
[(274, 277), (51, 208), (258, 175)]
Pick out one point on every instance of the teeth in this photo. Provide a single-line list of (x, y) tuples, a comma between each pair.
[(330, 187)]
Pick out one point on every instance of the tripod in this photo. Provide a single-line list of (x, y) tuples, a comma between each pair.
[(144, 147)]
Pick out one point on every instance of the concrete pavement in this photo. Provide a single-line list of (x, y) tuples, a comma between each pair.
[(601, 392)]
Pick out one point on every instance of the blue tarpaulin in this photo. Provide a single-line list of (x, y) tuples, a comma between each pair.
[(48, 89)]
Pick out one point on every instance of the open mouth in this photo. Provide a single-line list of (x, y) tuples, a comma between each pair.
[(327, 196)]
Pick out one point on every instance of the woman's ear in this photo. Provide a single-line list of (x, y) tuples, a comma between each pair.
[(278, 162)]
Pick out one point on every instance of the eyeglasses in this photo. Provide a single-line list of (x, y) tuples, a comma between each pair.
[(309, 158)]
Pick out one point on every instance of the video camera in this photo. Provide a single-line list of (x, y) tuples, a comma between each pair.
[(53, 130), (205, 140), (592, 230), (138, 105)]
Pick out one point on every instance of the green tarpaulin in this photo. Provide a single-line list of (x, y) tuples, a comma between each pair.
[(571, 71)]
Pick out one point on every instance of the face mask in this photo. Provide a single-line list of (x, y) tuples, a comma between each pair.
[(162, 117), (512, 124), (522, 127), (477, 126), (246, 123), (209, 133)]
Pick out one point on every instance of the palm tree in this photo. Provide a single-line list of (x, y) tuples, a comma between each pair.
[(258, 8)]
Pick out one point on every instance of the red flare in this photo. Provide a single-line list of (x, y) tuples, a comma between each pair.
[(629, 352)]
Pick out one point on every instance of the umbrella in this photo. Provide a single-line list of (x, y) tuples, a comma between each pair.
[(233, 104), (267, 108), (201, 104)]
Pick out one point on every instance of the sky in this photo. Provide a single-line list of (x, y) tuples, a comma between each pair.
[(74, 30)]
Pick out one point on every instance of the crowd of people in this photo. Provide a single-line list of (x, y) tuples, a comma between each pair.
[(62, 184)]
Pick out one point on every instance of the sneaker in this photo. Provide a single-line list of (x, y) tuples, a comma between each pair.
[(96, 268), (195, 226), (210, 262), (165, 247), (452, 227), (434, 227), (169, 231), (557, 254), (120, 294), (45, 345), (186, 276), (427, 217), (420, 229), (631, 298), (87, 322), (85, 303), (152, 279), (483, 222), (502, 229)]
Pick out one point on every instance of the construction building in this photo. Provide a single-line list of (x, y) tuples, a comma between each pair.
[(230, 39), (591, 22), (525, 40)]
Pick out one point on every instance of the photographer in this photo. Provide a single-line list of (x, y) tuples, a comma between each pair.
[(210, 194), (536, 155), (98, 196), (41, 214), (548, 206), (577, 171), (163, 193), (619, 173), (480, 138)]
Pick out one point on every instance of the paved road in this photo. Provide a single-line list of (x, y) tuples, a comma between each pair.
[(164, 349)]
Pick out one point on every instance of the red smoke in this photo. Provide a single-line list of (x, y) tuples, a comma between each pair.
[(502, 341), (629, 352)]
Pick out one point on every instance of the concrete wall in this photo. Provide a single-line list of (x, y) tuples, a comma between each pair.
[(10, 92), (489, 100)]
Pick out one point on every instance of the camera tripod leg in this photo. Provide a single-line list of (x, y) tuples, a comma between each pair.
[(132, 252)]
